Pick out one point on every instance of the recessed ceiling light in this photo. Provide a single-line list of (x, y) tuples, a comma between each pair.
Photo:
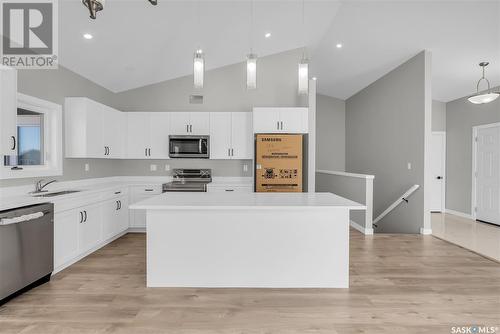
[(314, 78), (88, 36), (339, 45), (267, 35)]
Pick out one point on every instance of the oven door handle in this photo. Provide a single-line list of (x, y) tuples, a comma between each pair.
[(199, 145)]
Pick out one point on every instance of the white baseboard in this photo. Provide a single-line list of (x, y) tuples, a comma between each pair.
[(460, 214), (90, 251), (425, 231), (365, 231), (137, 230)]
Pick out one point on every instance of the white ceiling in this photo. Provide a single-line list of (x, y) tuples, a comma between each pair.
[(136, 44)]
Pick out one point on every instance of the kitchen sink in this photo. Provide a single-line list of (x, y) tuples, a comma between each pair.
[(57, 193)]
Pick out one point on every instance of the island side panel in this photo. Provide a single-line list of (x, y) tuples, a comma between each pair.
[(264, 248)]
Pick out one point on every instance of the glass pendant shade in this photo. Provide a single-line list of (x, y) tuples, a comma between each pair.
[(304, 76), (252, 71), (198, 69), (482, 98)]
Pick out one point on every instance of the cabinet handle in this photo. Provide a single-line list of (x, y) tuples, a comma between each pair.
[(278, 125), (229, 189), (146, 152), (149, 151), (117, 192), (81, 217), (228, 152), (281, 125), (117, 206), (120, 207), (85, 215), (187, 127), (109, 150), (13, 142), (148, 189), (191, 128), (232, 152)]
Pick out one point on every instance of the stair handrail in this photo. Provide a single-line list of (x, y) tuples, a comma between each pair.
[(402, 198)]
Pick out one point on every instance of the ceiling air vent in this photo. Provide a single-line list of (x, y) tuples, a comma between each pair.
[(196, 99)]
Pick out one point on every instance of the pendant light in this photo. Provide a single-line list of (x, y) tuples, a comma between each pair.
[(303, 70), (251, 57), (482, 98), (93, 6), (198, 59)]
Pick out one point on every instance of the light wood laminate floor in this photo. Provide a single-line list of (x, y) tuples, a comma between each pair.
[(399, 284)]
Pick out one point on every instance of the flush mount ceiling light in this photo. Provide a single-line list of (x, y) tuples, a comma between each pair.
[(251, 57), (88, 36), (339, 45), (267, 35), (482, 98)]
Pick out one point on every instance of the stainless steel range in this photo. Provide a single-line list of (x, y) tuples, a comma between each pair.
[(189, 180)]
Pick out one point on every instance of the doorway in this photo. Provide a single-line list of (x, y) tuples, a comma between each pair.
[(486, 173)]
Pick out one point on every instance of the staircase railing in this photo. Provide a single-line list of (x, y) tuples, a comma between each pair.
[(402, 198)]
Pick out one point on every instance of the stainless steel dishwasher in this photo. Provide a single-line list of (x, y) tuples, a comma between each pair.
[(26, 248)]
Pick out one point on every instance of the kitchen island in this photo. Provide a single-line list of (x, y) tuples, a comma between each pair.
[(264, 240)]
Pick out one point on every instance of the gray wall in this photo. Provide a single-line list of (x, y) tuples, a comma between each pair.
[(461, 116), (224, 90), (385, 129), (438, 116), (330, 133)]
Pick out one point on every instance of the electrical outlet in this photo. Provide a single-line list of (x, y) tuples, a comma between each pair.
[(152, 167), (245, 168), (167, 168), (87, 167), (409, 166)]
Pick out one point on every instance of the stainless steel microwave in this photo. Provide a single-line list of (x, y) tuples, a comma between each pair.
[(189, 147)]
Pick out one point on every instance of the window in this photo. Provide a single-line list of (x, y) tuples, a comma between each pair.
[(29, 138), (39, 140)]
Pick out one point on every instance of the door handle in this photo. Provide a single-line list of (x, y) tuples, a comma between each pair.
[(13, 142)]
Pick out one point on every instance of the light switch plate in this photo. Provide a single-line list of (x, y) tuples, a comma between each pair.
[(152, 168), (409, 166), (167, 168), (87, 167)]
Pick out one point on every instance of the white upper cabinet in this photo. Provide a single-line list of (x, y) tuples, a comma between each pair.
[(280, 120), (231, 135), (93, 130), (220, 135), (190, 123), (147, 135), (8, 111), (241, 135)]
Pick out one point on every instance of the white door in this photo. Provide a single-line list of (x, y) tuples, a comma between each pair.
[(123, 214), (293, 120), (110, 223), (8, 111), (113, 132), (65, 236), (160, 130), (90, 227), (179, 123), (438, 158), (266, 120), (220, 135), (241, 135), (487, 173), (137, 135), (199, 123)]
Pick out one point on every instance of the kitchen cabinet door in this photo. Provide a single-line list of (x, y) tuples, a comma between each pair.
[(199, 123), (65, 236), (114, 131), (123, 214), (138, 135), (90, 227), (110, 223), (220, 135), (293, 120), (160, 130), (8, 111), (94, 125), (266, 120), (179, 123), (241, 135)]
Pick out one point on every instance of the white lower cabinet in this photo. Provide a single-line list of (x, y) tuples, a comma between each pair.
[(90, 227), (137, 218), (65, 236), (114, 217)]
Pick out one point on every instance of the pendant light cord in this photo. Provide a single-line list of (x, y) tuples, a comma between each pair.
[(304, 50), (251, 26)]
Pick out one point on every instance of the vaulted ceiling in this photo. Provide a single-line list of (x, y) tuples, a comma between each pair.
[(136, 44)]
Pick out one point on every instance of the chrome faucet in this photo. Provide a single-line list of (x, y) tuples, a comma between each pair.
[(39, 185)]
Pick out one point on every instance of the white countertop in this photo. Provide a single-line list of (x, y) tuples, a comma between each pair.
[(203, 201)]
